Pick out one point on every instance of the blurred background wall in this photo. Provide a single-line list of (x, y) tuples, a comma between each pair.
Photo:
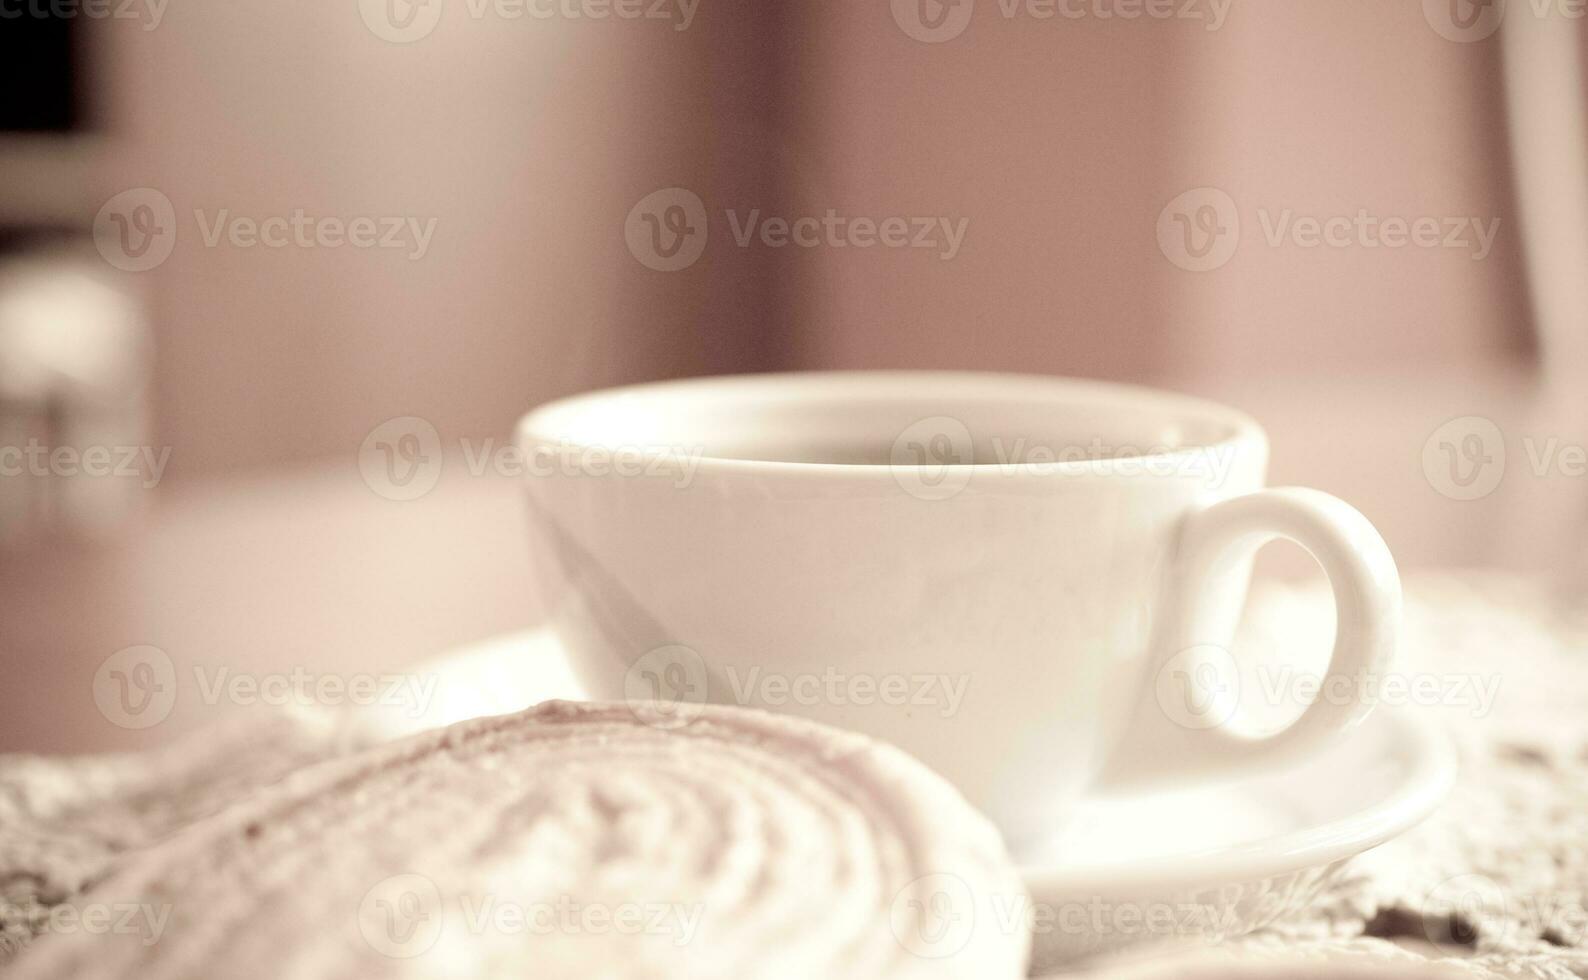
[(1058, 140), (1061, 137)]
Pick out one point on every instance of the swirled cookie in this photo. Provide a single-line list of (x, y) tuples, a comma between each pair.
[(571, 840)]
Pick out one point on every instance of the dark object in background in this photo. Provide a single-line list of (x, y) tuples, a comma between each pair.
[(38, 61), (46, 119)]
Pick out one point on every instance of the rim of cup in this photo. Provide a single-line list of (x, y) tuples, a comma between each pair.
[(608, 419)]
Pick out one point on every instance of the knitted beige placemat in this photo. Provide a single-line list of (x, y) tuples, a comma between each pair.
[(1494, 884), (1498, 878), (65, 823)]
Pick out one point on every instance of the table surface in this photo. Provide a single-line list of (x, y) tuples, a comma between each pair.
[(303, 568), (1494, 884)]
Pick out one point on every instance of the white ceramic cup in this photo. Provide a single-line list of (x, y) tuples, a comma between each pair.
[(1030, 583)]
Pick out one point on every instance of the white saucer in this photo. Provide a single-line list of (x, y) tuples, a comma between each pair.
[(1184, 867), (1230, 858)]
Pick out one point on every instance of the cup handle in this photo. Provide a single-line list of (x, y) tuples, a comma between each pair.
[(1181, 725)]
